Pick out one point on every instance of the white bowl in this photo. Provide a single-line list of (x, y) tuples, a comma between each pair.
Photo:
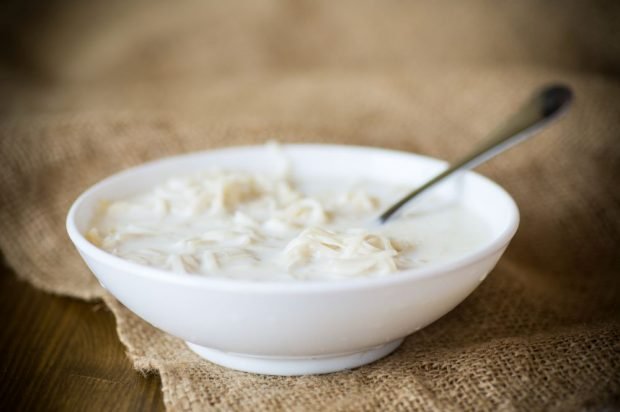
[(295, 328)]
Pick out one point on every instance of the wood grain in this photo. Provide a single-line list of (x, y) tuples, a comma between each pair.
[(62, 354)]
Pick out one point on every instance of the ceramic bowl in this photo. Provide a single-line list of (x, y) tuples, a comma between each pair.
[(290, 327)]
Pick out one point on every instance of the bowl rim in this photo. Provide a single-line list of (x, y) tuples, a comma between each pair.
[(285, 286)]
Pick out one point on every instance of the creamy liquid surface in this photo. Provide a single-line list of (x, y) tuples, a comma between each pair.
[(261, 227)]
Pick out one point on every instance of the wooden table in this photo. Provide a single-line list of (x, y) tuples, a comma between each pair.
[(63, 354)]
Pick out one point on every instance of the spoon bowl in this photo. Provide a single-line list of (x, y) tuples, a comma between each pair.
[(297, 327)]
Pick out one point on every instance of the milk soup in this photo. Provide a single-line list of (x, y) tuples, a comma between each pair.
[(240, 225)]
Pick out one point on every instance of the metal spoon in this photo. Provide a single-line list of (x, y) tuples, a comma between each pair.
[(545, 105)]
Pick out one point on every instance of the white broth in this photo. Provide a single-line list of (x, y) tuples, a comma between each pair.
[(235, 224)]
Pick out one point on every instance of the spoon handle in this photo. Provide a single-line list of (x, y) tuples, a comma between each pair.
[(546, 105)]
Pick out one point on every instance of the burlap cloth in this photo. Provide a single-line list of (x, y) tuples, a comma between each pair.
[(89, 90)]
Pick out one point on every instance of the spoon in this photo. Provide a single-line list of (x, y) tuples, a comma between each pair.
[(544, 106)]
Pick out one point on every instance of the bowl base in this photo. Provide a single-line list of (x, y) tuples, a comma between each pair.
[(294, 366)]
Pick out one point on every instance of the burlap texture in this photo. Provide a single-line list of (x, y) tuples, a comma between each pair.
[(143, 81)]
